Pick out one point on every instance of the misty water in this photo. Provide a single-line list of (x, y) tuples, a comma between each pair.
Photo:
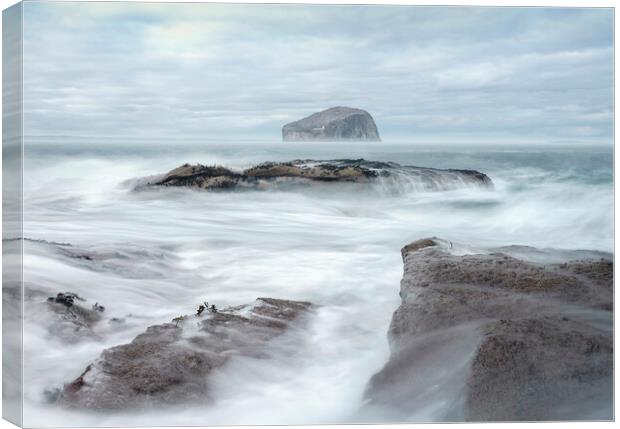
[(336, 246)]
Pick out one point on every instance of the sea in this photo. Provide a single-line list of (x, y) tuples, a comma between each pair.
[(169, 249)]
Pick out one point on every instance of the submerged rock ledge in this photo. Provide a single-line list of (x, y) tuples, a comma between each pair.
[(303, 172), (494, 338)]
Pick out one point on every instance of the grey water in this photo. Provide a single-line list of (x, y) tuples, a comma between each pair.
[(336, 246)]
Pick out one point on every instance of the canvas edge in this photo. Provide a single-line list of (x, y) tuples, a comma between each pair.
[(12, 215)]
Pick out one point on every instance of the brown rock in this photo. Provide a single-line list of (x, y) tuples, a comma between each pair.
[(500, 338), (170, 364), (304, 172)]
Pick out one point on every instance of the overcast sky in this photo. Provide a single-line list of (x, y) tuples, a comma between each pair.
[(242, 71)]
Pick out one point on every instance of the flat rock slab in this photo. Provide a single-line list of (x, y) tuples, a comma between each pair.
[(499, 338), (170, 363), (270, 175)]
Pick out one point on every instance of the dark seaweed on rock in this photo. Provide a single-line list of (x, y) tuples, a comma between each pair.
[(531, 342), (200, 176)]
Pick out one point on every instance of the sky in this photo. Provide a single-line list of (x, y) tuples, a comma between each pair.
[(225, 71)]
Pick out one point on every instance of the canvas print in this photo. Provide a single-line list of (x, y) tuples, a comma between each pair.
[(292, 214)]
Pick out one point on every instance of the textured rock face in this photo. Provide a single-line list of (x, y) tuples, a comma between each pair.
[(203, 177), (508, 339), (337, 123), (541, 368), (300, 172), (170, 363)]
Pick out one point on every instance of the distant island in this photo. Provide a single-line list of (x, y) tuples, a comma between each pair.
[(336, 123)]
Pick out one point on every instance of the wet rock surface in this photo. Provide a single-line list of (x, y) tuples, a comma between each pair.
[(65, 316), (71, 320), (170, 363), (541, 368), (300, 172), (520, 340), (336, 123), (201, 176)]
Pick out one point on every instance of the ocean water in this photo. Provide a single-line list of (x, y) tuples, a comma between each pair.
[(166, 250)]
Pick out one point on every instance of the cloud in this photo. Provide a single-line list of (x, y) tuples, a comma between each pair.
[(242, 71)]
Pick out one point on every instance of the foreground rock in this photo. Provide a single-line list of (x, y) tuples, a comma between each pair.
[(491, 337), (170, 363), (304, 172), (337, 123)]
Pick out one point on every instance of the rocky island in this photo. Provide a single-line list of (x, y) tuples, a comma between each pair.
[(494, 338), (334, 124)]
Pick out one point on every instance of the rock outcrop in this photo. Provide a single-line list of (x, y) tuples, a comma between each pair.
[(170, 363), (303, 172), (70, 319), (63, 319), (337, 123), (494, 338)]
